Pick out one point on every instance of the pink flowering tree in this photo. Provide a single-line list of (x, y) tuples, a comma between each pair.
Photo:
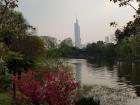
[(29, 89), (60, 88), (56, 88)]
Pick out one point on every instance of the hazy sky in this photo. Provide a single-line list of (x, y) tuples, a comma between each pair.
[(56, 17)]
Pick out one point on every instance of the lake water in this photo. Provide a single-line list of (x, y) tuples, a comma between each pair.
[(109, 73)]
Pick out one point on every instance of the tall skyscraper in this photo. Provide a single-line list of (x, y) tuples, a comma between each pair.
[(77, 34)]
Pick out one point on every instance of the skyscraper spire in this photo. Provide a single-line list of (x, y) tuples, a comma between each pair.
[(76, 20)]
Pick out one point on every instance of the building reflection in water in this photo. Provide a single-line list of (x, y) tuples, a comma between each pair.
[(78, 72)]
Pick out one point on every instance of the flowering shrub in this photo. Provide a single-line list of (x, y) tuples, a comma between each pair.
[(60, 88), (29, 88), (57, 88)]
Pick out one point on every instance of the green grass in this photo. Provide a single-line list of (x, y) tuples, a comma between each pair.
[(4, 99)]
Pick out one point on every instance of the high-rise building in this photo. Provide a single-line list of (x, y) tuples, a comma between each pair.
[(106, 39), (68, 42), (77, 34)]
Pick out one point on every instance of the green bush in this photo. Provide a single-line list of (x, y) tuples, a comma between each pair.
[(4, 78), (87, 101)]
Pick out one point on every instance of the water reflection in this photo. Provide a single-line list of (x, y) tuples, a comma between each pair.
[(109, 63), (108, 73), (78, 72), (130, 74)]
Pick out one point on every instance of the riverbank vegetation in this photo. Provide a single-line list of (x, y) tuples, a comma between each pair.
[(21, 49), (22, 53)]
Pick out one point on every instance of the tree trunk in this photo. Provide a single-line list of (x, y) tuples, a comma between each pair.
[(14, 89)]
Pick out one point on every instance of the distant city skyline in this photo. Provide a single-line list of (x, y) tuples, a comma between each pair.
[(56, 17)]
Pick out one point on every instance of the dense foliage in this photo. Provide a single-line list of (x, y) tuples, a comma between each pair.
[(20, 48), (87, 101), (129, 49), (128, 38)]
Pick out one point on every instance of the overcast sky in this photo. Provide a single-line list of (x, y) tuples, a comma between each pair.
[(56, 17)]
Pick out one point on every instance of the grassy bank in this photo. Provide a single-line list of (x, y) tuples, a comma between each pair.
[(4, 99)]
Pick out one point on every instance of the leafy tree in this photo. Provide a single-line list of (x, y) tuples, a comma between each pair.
[(136, 47), (6, 5), (129, 48), (125, 49), (13, 29), (125, 3), (4, 77), (66, 47), (132, 27), (15, 22), (16, 34), (25, 53), (92, 49), (110, 50), (29, 49)]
